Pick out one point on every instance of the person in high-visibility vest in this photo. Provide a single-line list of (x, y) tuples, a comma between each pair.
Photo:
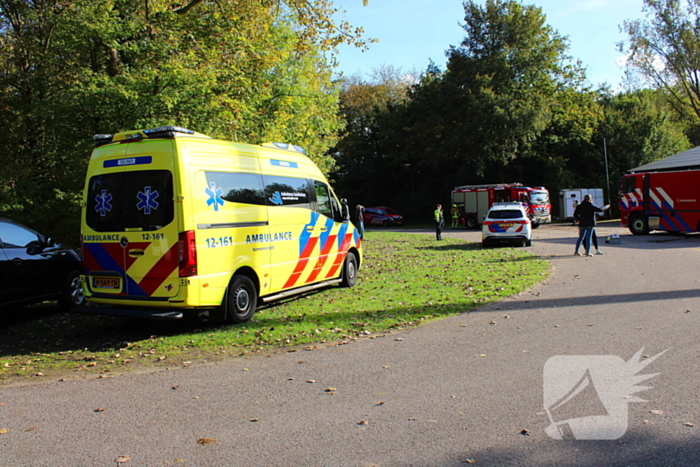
[(455, 216), (439, 221)]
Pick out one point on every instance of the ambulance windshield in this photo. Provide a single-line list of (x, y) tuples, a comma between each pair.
[(138, 201)]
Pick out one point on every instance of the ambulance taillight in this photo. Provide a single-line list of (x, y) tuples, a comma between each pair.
[(188, 254)]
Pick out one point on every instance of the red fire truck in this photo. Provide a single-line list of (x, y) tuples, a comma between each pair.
[(662, 195), (474, 201)]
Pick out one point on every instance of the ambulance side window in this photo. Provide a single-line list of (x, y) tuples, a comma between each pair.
[(326, 202), (238, 187), (287, 191), (323, 199)]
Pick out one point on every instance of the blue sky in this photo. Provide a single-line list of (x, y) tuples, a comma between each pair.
[(411, 32)]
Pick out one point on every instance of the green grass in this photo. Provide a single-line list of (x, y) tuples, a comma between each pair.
[(405, 280)]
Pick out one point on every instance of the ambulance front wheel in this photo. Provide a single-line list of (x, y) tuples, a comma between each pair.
[(349, 270), (242, 297)]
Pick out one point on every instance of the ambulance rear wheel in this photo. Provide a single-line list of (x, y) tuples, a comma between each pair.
[(349, 271), (242, 297), (638, 225)]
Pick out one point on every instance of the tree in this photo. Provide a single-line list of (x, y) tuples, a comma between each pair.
[(478, 121), (507, 74), (365, 153), (252, 71), (638, 128), (665, 49)]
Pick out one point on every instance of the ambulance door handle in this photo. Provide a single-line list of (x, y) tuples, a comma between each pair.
[(309, 228), (324, 228), (133, 253)]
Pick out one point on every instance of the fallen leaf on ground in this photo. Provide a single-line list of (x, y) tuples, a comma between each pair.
[(122, 459), (657, 412), (204, 441), (99, 410), (330, 389), (379, 403), (3, 431), (363, 422), (689, 424), (525, 432)]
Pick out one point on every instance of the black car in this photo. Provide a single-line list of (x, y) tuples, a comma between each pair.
[(33, 269)]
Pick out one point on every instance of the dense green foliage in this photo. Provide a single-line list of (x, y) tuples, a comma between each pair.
[(250, 71), (510, 107)]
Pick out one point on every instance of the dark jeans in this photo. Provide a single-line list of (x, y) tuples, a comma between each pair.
[(438, 230), (585, 235)]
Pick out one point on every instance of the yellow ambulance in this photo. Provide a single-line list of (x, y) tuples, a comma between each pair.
[(176, 222)]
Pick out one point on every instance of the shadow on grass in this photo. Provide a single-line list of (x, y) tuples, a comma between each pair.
[(466, 246), (43, 329)]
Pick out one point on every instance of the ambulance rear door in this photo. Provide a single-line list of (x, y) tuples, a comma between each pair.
[(131, 245)]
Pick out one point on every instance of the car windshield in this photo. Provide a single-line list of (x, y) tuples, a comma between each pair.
[(539, 197), (506, 214), (391, 211)]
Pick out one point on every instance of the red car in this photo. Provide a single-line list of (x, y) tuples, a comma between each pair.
[(382, 216)]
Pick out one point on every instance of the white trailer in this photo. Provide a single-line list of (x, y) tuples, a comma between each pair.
[(571, 197)]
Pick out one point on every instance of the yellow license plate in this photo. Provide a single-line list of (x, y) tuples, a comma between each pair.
[(105, 282), (507, 225)]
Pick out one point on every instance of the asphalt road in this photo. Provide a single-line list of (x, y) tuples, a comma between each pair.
[(467, 389)]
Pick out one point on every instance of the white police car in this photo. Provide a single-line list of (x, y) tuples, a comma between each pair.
[(506, 223)]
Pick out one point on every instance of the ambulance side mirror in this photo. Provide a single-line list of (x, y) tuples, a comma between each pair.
[(345, 208)]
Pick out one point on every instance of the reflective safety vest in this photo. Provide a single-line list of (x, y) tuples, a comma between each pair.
[(438, 215)]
